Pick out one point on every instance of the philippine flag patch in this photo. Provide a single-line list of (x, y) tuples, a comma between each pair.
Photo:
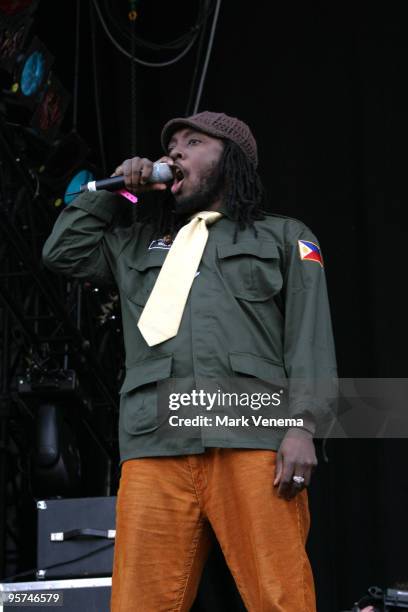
[(310, 251)]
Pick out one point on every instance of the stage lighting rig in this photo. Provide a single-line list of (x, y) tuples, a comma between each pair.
[(32, 73), (13, 34), (50, 111), (81, 177), (56, 460), (33, 95), (41, 383)]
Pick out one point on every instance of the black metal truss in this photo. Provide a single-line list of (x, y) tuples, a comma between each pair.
[(58, 338)]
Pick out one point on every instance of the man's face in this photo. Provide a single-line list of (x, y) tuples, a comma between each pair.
[(198, 184)]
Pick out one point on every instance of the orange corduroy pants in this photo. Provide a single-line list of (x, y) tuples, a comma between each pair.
[(167, 509)]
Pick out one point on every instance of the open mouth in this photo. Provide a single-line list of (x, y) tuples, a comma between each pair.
[(178, 181)]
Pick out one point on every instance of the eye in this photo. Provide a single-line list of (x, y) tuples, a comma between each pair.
[(193, 140)]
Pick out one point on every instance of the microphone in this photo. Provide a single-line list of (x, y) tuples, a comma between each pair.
[(161, 173)]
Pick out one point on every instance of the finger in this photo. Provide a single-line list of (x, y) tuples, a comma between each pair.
[(135, 170), (292, 490), (286, 490), (298, 486), (278, 469), (145, 170), (307, 475), (131, 172), (307, 468), (118, 171), (288, 470), (303, 472)]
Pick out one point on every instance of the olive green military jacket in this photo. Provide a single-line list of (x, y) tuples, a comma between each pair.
[(256, 309)]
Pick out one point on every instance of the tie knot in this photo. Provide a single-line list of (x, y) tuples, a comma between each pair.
[(209, 216)]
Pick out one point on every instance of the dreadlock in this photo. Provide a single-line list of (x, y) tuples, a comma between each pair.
[(243, 197), (244, 192)]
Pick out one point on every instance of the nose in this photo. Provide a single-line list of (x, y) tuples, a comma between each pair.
[(176, 153)]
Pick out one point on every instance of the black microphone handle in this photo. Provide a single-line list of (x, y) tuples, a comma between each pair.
[(110, 184)]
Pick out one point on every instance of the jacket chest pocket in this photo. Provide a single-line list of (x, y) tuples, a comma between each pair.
[(251, 269), (139, 277)]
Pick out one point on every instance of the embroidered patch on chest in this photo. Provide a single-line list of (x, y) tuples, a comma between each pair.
[(310, 251), (162, 243)]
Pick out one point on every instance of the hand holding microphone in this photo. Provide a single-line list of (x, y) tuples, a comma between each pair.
[(140, 174), (137, 174)]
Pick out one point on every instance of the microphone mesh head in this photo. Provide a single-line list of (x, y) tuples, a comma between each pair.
[(161, 173)]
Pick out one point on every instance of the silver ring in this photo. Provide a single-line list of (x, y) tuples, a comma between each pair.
[(299, 480)]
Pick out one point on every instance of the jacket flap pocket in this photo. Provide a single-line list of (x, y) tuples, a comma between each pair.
[(259, 248), (152, 259), (148, 371), (261, 368)]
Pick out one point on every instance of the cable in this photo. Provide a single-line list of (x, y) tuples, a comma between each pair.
[(207, 57), (76, 70), (135, 59), (32, 571), (133, 89), (197, 64), (96, 91), (174, 44)]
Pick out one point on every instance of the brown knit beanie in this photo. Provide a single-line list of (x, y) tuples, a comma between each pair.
[(218, 125)]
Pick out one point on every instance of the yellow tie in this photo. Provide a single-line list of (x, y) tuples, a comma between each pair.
[(161, 316)]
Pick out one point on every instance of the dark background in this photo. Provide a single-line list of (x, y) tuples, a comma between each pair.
[(324, 88)]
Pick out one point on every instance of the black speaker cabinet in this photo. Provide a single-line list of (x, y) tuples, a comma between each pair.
[(75, 537)]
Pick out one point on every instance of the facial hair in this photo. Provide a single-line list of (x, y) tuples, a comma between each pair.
[(209, 190)]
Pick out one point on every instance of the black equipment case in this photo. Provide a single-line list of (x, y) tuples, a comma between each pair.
[(75, 537)]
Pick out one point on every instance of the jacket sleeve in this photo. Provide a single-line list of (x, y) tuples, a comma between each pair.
[(82, 243), (309, 352)]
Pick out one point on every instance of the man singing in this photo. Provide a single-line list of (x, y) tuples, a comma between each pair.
[(210, 287)]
